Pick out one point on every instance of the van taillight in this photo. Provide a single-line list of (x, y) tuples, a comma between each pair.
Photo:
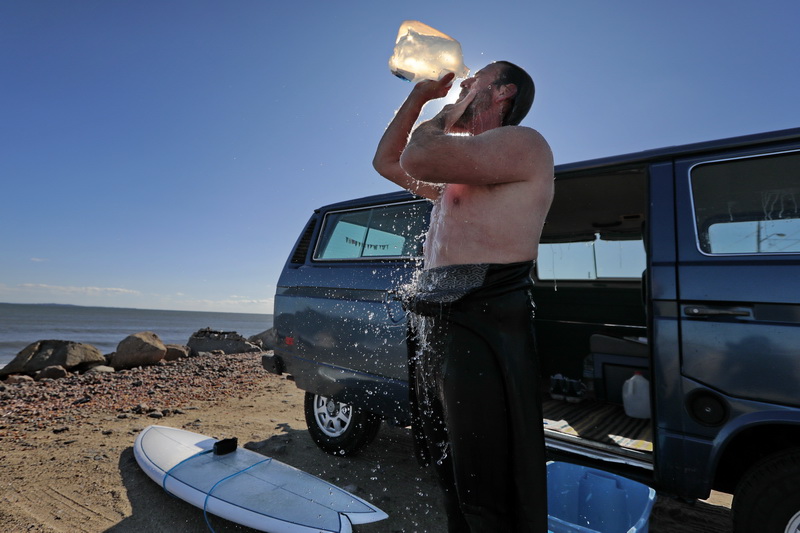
[(289, 341)]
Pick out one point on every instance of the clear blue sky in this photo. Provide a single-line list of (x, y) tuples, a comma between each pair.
[(167, 153)]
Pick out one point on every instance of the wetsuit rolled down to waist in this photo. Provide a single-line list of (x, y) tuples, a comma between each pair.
[(476, 407)]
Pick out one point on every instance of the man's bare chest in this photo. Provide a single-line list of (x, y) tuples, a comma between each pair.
[(482, 201)]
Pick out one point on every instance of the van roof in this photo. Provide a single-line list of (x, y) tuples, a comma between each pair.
[(685, 150), (366, 201), (647, 156)]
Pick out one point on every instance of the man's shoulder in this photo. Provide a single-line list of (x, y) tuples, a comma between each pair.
[(523, 140), (518, 134), (523, 132)]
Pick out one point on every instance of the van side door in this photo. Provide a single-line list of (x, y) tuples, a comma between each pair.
[(738, 246)]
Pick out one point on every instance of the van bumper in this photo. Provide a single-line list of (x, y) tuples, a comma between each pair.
[(273, 364), (386, 397)]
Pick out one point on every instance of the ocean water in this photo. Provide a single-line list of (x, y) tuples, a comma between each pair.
[(105, 327)]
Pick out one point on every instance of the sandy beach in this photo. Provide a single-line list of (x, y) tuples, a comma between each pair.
[(67, 464)]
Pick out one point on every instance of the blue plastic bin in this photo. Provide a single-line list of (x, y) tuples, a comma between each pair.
[(586, 500)]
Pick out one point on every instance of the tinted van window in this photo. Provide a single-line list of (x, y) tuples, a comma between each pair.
[(748, 206), (375, 232)]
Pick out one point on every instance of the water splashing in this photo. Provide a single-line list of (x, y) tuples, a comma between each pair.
[(445, 446)]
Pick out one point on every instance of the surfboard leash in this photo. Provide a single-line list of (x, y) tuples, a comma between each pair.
[(208, 494), (168, 473)]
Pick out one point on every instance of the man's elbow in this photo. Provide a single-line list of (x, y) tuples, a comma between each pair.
[(380, 165), (410, 162)]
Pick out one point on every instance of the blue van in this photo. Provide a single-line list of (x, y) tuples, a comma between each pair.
[(680, 264)]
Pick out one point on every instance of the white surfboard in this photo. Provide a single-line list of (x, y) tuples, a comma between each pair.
[(246, 487)]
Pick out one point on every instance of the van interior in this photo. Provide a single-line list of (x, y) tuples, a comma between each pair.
[(591, 323)]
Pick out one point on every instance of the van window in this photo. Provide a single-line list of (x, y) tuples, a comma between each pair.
[(388, 231), (748, 206), (595, 259)]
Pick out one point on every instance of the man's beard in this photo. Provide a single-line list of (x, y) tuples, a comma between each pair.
[(466, 120)]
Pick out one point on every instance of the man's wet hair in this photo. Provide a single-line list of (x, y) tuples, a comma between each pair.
[(523, 100)]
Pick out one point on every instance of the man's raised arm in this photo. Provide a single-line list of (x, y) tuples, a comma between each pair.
[(395, 138), (486, 155), (501, 155)]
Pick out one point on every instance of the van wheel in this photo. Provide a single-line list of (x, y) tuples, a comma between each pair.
[(768, 496), (339, 428)]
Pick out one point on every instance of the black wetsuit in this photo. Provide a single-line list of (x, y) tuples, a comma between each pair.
[(476, 406)]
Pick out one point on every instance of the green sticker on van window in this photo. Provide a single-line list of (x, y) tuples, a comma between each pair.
[(384, 231)]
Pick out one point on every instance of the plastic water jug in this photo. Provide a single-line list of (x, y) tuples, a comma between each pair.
[(424, 53), (636, 396)]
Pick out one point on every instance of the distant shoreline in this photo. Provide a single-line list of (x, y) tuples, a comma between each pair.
[(137, 308), (105, 327)]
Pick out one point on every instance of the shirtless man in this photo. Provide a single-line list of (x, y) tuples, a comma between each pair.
[(473, 371)]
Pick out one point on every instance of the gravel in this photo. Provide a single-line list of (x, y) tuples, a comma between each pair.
[(159, 391)]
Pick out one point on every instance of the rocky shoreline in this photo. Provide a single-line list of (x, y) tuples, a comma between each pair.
[(156, 391), (54, 359)]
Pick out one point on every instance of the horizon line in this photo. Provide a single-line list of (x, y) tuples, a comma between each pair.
[(136, 308)]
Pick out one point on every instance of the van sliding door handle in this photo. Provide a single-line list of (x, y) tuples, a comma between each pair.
[(694, 310)]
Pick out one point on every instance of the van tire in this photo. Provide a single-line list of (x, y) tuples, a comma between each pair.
[(767, 498), (339, 428)]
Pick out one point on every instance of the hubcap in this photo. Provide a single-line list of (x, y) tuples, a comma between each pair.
[(332, 417), (794, 524), (331, 407)]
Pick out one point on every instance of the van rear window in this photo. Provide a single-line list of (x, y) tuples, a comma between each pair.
[(748, 206), (387, 231)]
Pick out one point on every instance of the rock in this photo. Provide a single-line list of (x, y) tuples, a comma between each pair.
[(208, 340), (41, 354), (176, 351), (52, 372), (140, 349), (18, 378), (266, 339), (100, 369)]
